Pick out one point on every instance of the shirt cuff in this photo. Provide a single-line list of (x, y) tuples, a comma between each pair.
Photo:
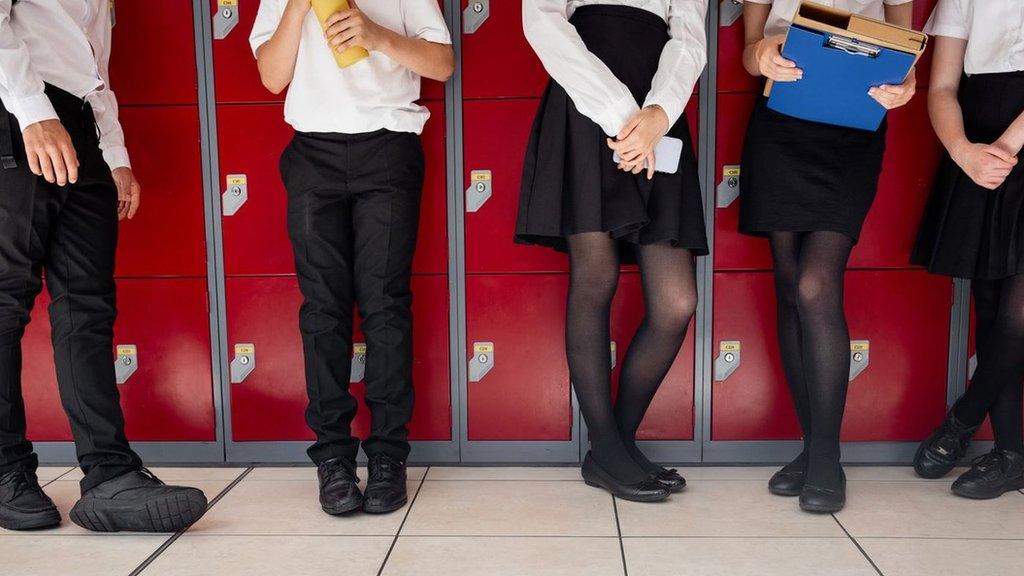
[(613, 118), (116, 157), (673, 107), (33, 109)]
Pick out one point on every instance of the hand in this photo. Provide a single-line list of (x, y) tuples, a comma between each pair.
[(768, 53), (300, 7), (987, 165), (895, 96), (128, 192), (636, 141), (352, 27), (50, 152)]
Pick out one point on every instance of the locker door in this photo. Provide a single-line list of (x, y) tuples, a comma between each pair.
[(732, 77), (167, 236), (497, 61), (519, 380), (153, 60)]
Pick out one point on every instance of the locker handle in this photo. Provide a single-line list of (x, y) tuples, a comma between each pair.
[(860, 357), (127, 362), (476, 13), (244, 362), (481, 186), (225, 19), (236, 194), (482, 360), (728, 360), (358, 371), (729, 188)]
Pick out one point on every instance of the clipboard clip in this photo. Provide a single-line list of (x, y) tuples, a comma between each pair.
[(852, 46)]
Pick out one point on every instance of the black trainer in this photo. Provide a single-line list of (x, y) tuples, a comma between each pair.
[(647, 490), (23, 504), (991, 475), (940, 452), (386, 488), (138, 502), (339, 486)]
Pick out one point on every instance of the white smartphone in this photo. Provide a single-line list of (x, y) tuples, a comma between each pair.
[(667, 153)]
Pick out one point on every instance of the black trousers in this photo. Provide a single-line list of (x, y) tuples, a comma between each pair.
[(71, 232), (353, 214)]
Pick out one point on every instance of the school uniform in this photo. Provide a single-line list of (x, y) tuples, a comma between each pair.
[(969, 231), (354, 176), (803, 176), (606, 60)]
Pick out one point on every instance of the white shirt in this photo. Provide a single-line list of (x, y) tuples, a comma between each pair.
[(593, 88), (372, 94), (994, 30), (783, 11), (65, 43)]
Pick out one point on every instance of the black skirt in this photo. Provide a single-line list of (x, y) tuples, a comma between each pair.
[(802, 176), (571, 184), (969, 231)]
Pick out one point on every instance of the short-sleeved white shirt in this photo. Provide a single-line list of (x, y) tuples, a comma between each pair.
[(994, 30)]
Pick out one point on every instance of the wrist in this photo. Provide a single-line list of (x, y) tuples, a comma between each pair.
[(387, 41), (295, 11)]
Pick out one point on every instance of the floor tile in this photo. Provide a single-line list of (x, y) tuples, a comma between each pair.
[(724, 508), (309, 473), (924, 557), (93, 555), (271, 556), (540, 473), (172, 474), (48, 473), (745, 557), (495, 508), (728, 472), (892, 474), (504, 556), (928, 509), (290, 507)]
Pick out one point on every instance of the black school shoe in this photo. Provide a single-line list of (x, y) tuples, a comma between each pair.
[(671, 479), (339, 486), (823, 500), (991, 476), (386, 488), (138, 502), (23, 504), (647, 490), (789, 481), (940, 452)]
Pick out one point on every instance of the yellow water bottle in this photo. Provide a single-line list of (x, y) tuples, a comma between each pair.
[(324, 9)]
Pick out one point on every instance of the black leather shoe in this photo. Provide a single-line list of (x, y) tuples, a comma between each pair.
[(823, 500), (671, 479), (138, 502), (787, 482), (386, 488), (991, 476), (339, 486), (23, 504), (647, 490), (940, 452)]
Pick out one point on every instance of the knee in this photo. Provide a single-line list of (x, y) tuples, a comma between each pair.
[(814, 293), (594, 285), (674, 314), (315, 319)]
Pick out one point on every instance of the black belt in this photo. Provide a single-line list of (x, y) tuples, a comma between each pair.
[(7, 142)]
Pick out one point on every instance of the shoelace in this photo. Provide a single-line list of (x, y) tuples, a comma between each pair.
[(23, 480), (149, 474), (988, 462), (334, 468), (382, 467)]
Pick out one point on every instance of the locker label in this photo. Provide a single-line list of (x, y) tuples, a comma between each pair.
[(226, 18), (236, 194), (860, 356), (482, 361), (729, 189), (614, 347), (972, 367), (358, 363), (729, 11), (728, 359), (479, 191), (244, 362), (127, 362), (476, 13)]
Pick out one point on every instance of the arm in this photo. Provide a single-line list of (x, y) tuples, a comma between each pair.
[(1012, 141), (763, 56), (900, 13), (275, 41)]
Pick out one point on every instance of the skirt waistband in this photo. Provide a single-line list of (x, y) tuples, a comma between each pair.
[(638, 15)]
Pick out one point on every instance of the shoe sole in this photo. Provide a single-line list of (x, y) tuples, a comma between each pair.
[(1019, 485), (13, 520), (343, 510), (164, 514), (369, 509), (784, 492), (630, 498)]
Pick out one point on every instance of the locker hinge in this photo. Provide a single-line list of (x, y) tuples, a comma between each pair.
[(860, 357), (244, 362), (728, 360), (482, 361), (481, 187), (127, 362), (236, 194), (729, 11), (358, 363), (226, 18), (476, 13), (729, 188)]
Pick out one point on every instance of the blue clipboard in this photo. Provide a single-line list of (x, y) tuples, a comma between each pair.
[(838, 72)]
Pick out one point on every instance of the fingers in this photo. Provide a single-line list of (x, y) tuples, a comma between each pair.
[(780, 72), (651, 162), (136, 200), (629, 127), (46, 167), (338, 17), (33, 163), (1001, 154), (341, 40), (71, 161)]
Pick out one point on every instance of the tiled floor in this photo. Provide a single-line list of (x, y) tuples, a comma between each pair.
[(545, 522)]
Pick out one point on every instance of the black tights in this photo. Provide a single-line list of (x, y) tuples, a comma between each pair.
[(996, 389), (815, 342), (670, 297)]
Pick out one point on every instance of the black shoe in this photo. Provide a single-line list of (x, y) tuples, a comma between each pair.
[(991, 475), (386, 489), (940, 452), (671, 479), (823, 500), (647, 490), (339, 486), (23, 504), (788, 482), (138, 502)]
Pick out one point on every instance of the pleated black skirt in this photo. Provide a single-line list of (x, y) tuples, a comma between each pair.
[(802, 176), (571, 184), (969, 231)]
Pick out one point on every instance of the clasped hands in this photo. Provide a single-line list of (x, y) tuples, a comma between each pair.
[(636, 141)]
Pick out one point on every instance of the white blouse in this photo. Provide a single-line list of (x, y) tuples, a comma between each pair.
[(783, 11), (594, 89), (994, 30)]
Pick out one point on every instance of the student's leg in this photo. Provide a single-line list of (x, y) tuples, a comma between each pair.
[(670, 299)]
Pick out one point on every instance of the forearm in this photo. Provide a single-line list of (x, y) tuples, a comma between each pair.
[(276, 57), (755, 16), (947, 118), (428, 59), (1014, 135)]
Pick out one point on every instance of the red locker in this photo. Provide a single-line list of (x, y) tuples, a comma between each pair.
[(162, 339), (153, 56), (167, 236), (264, 312), (732, 77), (519, 379), (899, 327), (497, 61)]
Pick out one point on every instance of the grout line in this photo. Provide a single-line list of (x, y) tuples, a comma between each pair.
[(857, 544), (63, 474), (618, 528), (394, 541), (163, 547)]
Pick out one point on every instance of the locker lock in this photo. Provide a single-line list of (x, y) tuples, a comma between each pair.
[(728, 360), (860, 357), (476, 13), (729, 11), (729, 188), (236, 194), (479, 191), (358, 363), (127, 362), (482, 361), (244, 362), (226, 18)]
